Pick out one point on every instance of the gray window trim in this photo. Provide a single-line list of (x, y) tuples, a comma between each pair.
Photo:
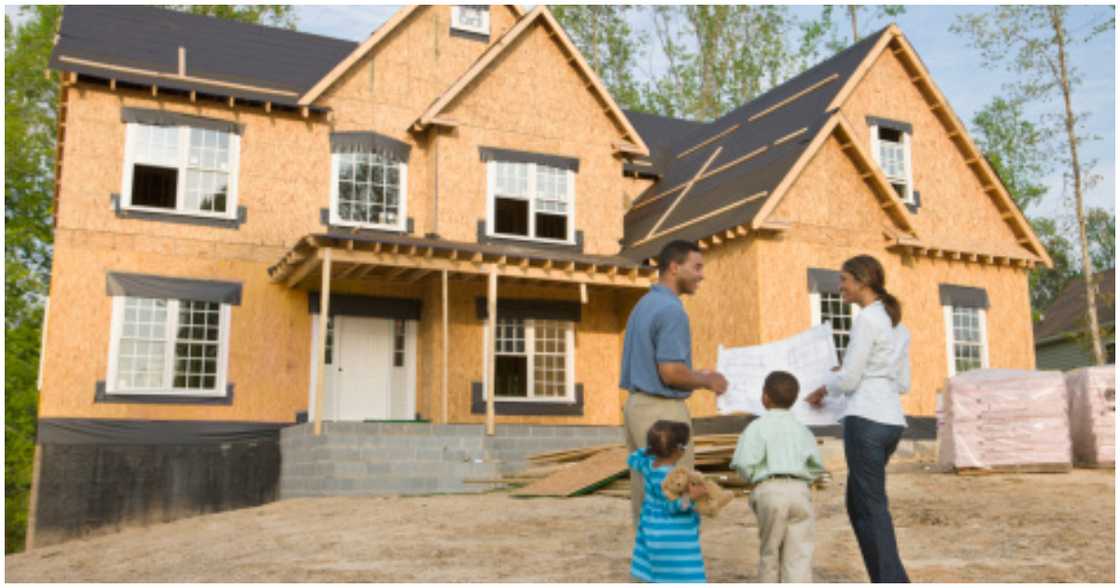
[(369, 141), (963, 296), (368, 306), (163, 118), (484, 239), (527, 407), (350, 232), (148, 286), (179, 218), (496, 154), (887, 123), (524, 308), (101, 396), (469, 35), (823, 280)]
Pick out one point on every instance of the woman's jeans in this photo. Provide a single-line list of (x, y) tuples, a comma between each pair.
[(868, 446)]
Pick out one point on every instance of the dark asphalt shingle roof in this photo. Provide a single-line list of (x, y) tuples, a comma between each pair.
[(761, 173), (149, 38), (1067, 313), (659, 132)]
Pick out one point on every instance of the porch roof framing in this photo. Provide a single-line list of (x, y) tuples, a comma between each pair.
[(357, 256)]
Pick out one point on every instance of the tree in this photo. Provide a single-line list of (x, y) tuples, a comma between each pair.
[(1100, 224), (603, 35), (1047, 283), (1035, 42), (1014, 147), (30, 126), (722, 56), (837, 41)]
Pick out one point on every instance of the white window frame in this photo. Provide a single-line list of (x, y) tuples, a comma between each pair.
[(815, 311), (402, 215), (530, 347), (908, 197), (116, 328), (950, 338), (183, 149), (484, 29), (491, 195)]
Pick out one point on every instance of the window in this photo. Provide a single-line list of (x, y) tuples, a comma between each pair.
[(531, 201), (472, 18), (966, 338), (180, 169), (168, 346), (368, 190), (533, 359), (891, 149), (398, 343), (829, 307)]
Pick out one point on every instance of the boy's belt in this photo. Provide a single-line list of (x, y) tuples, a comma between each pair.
[(782, 477)]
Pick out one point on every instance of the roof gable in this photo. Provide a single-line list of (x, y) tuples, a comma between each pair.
[(539, 15)]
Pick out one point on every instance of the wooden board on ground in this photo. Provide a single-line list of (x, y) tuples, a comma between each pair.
[(1029, 468), (586, 476)]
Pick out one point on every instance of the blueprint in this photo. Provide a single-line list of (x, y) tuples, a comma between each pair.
[(809, 356)]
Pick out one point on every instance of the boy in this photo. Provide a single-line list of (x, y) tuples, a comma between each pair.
[(778, 455)]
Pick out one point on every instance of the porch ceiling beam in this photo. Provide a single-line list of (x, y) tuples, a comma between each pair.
[(309, 265)]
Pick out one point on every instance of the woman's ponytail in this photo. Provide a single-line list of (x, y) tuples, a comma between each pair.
[(868, 271)]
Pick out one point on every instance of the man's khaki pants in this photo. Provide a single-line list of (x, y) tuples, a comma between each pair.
[(784, 508), (639, 414)]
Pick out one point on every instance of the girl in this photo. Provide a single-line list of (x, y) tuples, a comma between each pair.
[(876, 371), (667, 546)]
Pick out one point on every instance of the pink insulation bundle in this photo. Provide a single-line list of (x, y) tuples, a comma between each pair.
[(997, 418), (1092, 414)]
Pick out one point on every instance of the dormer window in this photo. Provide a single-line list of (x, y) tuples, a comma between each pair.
[(471, 19), (890, 145)]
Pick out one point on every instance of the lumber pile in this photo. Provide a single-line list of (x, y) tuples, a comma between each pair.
[(1005, 421), (602, 469), (1092, 415)]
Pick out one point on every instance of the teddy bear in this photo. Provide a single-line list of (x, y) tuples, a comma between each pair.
[(676, 484)]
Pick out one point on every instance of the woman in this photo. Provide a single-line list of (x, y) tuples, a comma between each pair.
[(875, 372)]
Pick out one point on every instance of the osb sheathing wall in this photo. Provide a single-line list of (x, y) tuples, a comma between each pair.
[(955, 209), (532, 99), (597, 351), (834, 216)]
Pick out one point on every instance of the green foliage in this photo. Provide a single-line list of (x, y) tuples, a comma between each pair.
[(603, 35), (1101, 227), (1046, 284), (1013, 145)]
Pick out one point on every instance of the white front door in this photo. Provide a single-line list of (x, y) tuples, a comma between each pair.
[(363, 354)]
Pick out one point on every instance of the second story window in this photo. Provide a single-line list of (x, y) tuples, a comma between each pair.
[(471, 18), (180, 169), (369, 181), (890, 145), (529, 200)]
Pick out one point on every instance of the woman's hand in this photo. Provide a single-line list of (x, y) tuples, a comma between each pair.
[(816, 399), (697, 490)]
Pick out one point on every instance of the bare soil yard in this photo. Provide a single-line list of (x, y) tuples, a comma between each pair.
[(999, 528)]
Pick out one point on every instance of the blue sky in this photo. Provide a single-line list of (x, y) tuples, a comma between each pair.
[(954, 66)]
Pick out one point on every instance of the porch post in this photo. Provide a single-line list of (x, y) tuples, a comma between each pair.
[(321, 339), (443, 384), (492, 325)]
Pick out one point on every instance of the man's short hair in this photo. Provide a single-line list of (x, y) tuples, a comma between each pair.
[(781, 388), (675, 252)]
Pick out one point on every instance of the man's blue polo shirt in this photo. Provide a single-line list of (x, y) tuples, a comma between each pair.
[(656, 332)]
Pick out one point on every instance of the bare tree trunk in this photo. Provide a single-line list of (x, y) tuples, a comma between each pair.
[(1056, 20), (853, 10)]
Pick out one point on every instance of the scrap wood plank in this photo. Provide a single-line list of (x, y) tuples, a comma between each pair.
[(587, 476), (1032, 468), (571, 454)]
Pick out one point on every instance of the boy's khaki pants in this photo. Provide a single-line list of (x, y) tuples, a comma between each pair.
[(639, 414), (784, 508)]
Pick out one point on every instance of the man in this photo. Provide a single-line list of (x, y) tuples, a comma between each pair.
[(657, 357)]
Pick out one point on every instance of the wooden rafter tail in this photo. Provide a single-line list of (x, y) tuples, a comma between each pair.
[(170, 76)]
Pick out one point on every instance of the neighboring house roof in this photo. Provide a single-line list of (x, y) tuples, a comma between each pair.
[(658, 132), (637, 146), (140, 44), (1067, 313), (747, 140)]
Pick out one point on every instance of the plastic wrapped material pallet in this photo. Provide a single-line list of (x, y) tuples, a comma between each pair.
[(1092, 414), (1009, 420)]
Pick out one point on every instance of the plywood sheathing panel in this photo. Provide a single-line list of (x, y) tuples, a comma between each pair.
[(957, 212), (585, 476)]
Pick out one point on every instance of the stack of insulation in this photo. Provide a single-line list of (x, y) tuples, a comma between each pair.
[(1092, 414), (1001, 418)]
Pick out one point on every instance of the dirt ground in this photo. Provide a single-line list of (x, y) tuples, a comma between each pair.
[(1000, 528)]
